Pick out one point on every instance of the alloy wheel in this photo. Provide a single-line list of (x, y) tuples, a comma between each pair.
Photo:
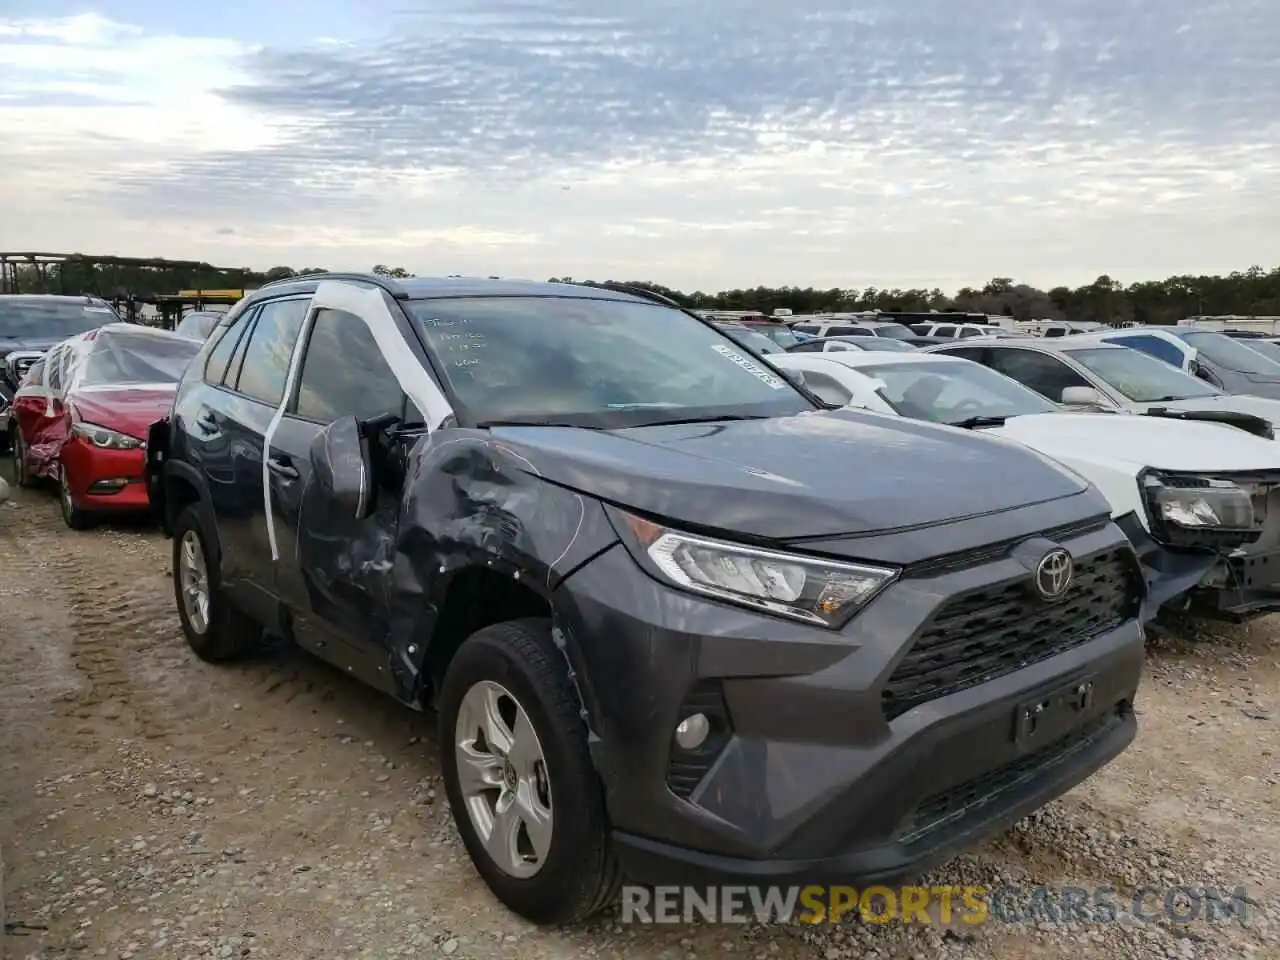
[(502, 773)]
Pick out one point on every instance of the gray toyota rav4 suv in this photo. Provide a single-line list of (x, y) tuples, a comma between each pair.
[(679, 622)]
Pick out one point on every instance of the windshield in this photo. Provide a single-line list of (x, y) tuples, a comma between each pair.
[(882, 344), (1220, 349), (1265, 347), (1140, 377), (755, 342), (595, 363), (197, 326), (23, 318), (950, 392), (895, 330), (779, 333), (137, 358)]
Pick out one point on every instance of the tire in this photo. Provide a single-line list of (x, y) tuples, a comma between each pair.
[(224, 632), (73, 516), (579, 874), (21, 475)]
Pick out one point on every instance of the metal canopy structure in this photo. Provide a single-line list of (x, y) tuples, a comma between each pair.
[(171, 286)]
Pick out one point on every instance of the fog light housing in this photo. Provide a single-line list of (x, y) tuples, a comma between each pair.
[(692, 732), (109, 485), (701, 732)]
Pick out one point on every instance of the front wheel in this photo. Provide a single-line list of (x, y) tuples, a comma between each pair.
[(73, 516), (215, 630), (21, 475), (523, 792)]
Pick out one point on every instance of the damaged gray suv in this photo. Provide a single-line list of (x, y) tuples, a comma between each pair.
[(679, 621)]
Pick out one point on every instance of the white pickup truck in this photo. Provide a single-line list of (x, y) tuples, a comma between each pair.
[(1199, 501)]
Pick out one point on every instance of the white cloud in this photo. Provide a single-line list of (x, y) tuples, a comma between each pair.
[(916, 142)]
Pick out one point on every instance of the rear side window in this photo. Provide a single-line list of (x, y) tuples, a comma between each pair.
[(944, 331), (1160, 349), (265, 366), (344, 372), (215, 368)]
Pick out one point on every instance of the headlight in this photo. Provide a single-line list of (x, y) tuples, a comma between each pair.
[(823, 592), (1199, 510), (107, 439)]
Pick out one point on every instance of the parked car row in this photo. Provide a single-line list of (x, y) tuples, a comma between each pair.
[(689, 606)]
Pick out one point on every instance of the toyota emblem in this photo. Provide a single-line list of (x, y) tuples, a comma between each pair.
[(1054, 573)]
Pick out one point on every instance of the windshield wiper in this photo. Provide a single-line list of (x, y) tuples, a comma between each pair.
[(970, 423), (528, 422), (711, 418), (1165, 399)]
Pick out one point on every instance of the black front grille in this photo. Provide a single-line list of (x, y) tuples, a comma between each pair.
[(948, 806), (987, 634)]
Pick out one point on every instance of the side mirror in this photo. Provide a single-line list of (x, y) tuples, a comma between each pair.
[(1082, 397), (342, 468)]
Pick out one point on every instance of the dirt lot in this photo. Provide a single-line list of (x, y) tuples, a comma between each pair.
[(155, 807)]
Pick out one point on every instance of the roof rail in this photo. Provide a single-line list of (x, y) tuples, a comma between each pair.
[(386, 283), (641, 292)]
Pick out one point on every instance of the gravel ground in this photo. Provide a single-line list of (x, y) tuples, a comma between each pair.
[(155, 807)]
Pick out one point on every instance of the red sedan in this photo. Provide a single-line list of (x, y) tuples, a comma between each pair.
[(83, 411)]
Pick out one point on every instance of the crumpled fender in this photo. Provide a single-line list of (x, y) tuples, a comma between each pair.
[(1168, 574), (469, 502)]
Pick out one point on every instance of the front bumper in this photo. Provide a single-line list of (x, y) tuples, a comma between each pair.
[(818, 778), (1234, 588), (102, 480)]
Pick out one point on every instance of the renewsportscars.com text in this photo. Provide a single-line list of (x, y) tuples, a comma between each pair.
[(941, 904)]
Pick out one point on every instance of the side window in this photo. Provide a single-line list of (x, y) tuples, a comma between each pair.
[(1153, 346), (215, 367), (853, 332), (806, 327), (845, 331), (827, 387), (837, 345), (1056, 332), (970, 332), (1046, 375), (944, 330), (265, 366), (808, 346), (921, 329), (344, 372)]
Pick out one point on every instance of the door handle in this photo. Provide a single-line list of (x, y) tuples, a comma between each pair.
[(281, 467)]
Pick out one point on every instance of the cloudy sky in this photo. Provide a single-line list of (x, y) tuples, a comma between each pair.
[(702, 145)]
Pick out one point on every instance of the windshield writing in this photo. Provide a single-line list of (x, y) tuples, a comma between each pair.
[(1142, 378), (945, 392), (586, 362)]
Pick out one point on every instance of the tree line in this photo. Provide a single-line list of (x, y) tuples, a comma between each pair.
[(1254, 291)]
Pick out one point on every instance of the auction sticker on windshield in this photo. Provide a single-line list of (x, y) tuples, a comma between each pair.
[(750, 366)]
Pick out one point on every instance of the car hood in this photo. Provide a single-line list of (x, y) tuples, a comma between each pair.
[(1113, 439), (130, 410), (819, 474), (1264, 407)]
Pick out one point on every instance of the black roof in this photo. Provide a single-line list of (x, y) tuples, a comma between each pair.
[(428, 288)]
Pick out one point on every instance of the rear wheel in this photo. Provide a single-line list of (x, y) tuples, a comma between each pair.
[(523, 792), (215, 630), (74, 517)]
